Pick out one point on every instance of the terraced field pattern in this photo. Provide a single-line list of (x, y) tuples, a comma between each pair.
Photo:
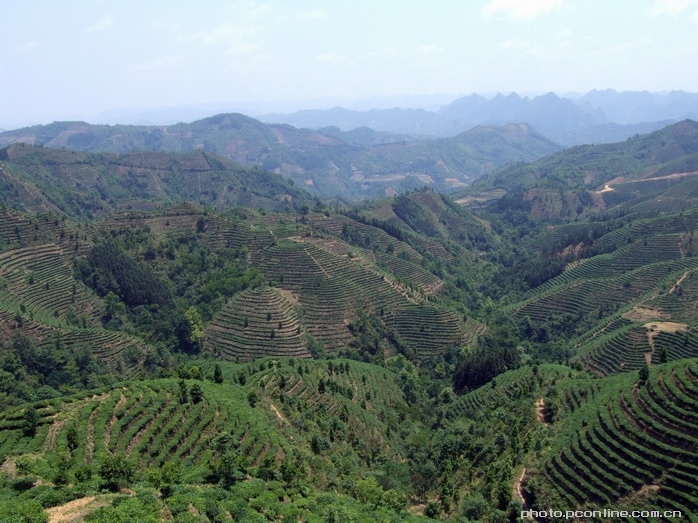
[(638, 298), (149, 422), (633, 444), (319, 282)]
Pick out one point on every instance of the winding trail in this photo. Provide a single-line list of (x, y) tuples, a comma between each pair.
[(518, 488)]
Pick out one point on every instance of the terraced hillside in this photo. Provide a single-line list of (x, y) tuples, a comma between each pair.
[(152, 422), (257, 323), (120, 353), (327, 161), (39, 280), (147, 422), (423, 216), (19, 230), (587, 179), (331, 288), (509, 386), (365, 399), (624, 301), (88, 185), (634, 445), (324, 269)]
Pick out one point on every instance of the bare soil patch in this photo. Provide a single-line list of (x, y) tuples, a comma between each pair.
[(666, 326), (542, 413), (75, 510)]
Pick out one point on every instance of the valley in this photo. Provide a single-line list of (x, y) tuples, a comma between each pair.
[(187, 338)]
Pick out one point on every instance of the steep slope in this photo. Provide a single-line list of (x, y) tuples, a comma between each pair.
[(624, 307), (274, 439), (257, 323), (631, 447)]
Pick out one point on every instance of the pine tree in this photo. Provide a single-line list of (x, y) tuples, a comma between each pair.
[(217, 374), (196, 393), (183, 395)]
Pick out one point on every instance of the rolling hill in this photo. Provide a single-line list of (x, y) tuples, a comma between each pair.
[(40, 179), (656, 170), (359, 163)]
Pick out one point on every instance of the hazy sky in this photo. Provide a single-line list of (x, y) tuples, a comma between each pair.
[(77, 58)]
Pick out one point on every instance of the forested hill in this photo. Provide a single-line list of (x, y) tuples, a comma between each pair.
[(329, 162), (40, 179), (660, 166)]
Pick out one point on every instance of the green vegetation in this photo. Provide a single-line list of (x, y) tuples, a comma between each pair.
[(329, 158), (404, 359)]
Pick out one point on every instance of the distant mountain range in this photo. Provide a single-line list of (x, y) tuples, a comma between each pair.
[(596, 117), (354, 164)]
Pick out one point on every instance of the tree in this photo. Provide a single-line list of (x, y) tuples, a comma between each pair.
[(30, 421), (163, 478), (62, 470), (72, 437), (664, 355), (116, 471), (217, 374), (267, 469), (394, 500), (293, 469), (252, 398), (195, 373), (196, 393), (473, 506), (229, 466), (644, 374), (369, 491), (183, 393), (195, 327)]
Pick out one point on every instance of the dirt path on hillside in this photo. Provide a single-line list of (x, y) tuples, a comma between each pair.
[(322, 269), (679, 282), (278, 414), (608, 186), (518, 488), (642, 312), (520, 493), (50, 441), (656, 327), (541, 412)]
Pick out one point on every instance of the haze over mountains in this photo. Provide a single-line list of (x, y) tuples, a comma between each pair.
[(358, 154), (597, 116), (327, 360)]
